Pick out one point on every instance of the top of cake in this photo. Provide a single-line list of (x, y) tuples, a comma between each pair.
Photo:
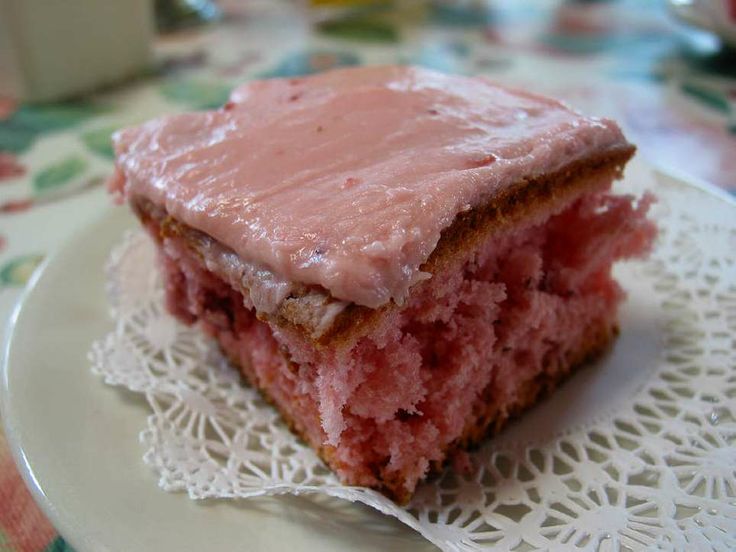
[(346, 179)]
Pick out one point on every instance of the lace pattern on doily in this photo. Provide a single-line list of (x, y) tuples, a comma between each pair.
[(654, 469)]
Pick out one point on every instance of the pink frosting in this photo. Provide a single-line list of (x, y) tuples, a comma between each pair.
[(346, 179)]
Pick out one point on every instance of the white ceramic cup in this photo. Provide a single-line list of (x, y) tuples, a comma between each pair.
[(53, 49)]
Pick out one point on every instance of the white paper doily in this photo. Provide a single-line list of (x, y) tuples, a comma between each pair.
[(637, 452)]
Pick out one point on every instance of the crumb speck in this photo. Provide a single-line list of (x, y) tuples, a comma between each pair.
[(462, 463), (482, 162), (350, 182)]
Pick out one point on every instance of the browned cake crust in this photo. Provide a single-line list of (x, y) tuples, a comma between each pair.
[(525, 199)]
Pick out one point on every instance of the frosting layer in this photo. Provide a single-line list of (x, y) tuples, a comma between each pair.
[(346, 179)]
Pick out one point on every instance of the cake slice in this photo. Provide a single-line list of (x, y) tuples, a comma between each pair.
[(400, 260)]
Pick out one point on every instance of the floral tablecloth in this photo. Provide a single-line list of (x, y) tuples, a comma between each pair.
[(672, 89)]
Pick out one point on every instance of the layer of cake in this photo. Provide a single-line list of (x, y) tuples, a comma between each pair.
[(318, 310), (328, 321), (382, 160), (471, 345)]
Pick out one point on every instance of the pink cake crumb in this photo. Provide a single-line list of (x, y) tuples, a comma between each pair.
[(389, 406)]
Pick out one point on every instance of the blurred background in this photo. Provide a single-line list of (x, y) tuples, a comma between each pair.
[(72, 72)]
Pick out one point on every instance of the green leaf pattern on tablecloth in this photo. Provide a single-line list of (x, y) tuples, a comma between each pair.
[(59, 174), (99, 141), (58, 545), (24, 126), (15, 139), (196, 93), (706, 96), (306, 63), (18, 270), (464, 14), (362, 28)]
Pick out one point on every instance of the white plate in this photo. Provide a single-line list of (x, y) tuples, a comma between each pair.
[(76, 439)]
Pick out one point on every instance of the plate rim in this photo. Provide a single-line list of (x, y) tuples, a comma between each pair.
[(9, 420)]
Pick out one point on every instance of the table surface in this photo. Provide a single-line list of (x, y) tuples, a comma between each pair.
[(672, 89)]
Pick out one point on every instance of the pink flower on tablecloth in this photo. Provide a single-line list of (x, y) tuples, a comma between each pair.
[(3, 243), (10, 167), (16, 206), (22, 525), (7, 107), (572, 20), (51, 190), (731, 6)]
